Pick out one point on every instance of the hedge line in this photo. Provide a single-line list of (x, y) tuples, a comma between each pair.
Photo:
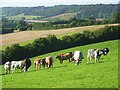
[(51, 43), (6, 30)]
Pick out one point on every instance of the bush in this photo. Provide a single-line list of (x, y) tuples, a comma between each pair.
[(15, 52), (6, 30)]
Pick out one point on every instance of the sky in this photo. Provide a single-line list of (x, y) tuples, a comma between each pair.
[(30, 3)]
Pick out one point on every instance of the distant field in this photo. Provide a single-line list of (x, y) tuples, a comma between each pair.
[(19, 16), (25, 37), (65, 16), (67, 75)]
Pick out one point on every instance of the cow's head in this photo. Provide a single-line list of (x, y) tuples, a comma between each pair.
[(57, 57), (105, 51)]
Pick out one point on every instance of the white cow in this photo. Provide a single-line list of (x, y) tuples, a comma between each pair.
[(7, 67), (17, 64), (77, 57)]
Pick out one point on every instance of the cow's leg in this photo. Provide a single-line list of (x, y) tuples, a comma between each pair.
[(14, 70), (98, 59), (48, 65), (90, 59), (20, 69), (52, 64), (43, 66), (34, 65), (39, 66), (95, 59), (9, 71), (25, 69), (6, 71), (69, 60)]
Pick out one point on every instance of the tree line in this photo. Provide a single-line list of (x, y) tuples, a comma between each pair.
[(75, 22), (52, 43), (84, 11)]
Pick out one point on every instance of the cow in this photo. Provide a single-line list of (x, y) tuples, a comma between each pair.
[(24, 64), (37, 63), (27, 64), (96, 54), (62, 57), (47, 61), (77, 57), (7, 66)]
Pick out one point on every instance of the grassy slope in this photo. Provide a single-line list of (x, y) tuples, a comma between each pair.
[(67, 75), (65, 16)]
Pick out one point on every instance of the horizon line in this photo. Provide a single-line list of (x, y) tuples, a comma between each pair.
[(62, 5)]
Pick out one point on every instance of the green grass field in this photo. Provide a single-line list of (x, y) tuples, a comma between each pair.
[(67, 75), (19, 16), (65, 16)]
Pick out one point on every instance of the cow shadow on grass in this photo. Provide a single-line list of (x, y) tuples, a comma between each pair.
[(61, 66), (3, 74), (96, 62)]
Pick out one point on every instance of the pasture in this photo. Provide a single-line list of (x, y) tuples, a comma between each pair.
[(19, 16), (67, 75), (65, 16)]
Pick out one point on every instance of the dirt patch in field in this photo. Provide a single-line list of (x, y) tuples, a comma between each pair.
[(18, 37)]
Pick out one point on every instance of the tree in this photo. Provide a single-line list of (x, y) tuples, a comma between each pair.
[(115, 18), (22, 25)]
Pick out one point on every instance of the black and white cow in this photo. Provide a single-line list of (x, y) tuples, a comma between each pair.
[(24, 64), (96, 54), (7, 67)]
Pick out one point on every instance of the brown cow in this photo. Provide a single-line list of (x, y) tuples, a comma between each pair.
[(67, 56), (37, 63), (47, 61)]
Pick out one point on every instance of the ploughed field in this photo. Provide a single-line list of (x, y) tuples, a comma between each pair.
[(68, 75)]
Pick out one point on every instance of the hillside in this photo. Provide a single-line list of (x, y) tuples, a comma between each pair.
[(67, 75), (65, 16), (93, 10)]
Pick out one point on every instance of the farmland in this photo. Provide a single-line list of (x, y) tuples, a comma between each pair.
[(65, 16), (67, 75), (19, 16), (28, 36)]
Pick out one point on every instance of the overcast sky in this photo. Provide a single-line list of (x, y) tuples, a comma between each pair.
[(29, 3)]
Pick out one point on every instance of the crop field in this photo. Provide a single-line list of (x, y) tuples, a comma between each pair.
[(25, 37), (68, 75)]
